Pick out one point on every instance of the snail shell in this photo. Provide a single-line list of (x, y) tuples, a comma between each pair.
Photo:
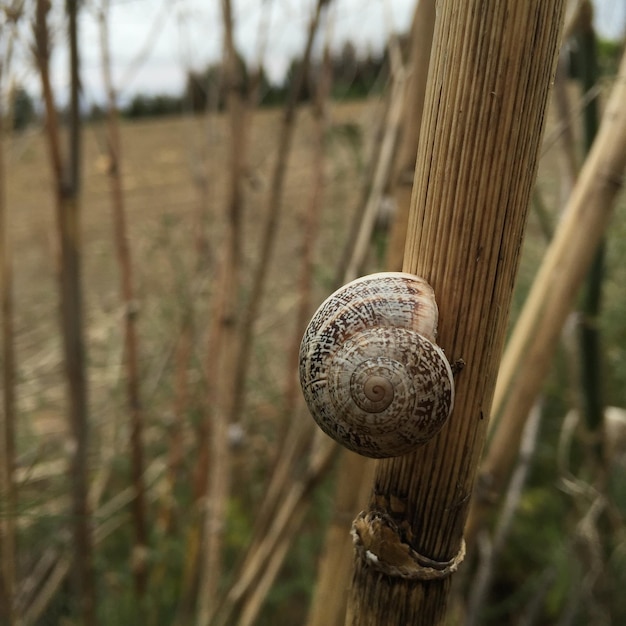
[(371, 373)]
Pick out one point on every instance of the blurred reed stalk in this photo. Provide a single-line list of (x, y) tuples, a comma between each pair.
[(8, 488), (67, 198), (590, 339), (593, 542), (404, 166), (536, 333), (222, 347), (180, 411), (359, 241), (139, 561), (273, 209), (491, 547), (286, 499), (299, 433), (230, 339), (212, 471), (295, 434)]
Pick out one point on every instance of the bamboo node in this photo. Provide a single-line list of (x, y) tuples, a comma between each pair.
[(377, 539)]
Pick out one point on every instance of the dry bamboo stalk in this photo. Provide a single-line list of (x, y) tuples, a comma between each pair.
[(8, 487), (221, 364), (300, 432), (353, 484), (297, 440), (296, 498), (297, 437), (67, 183), (381, 172), (404, 171), (484, 114), (273, 213), (483, 578), (127, 293), (530, 349)]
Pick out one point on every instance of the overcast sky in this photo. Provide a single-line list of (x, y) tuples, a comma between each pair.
[(172, 36)]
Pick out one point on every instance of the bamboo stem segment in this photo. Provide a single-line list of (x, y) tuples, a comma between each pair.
[(490, 75)]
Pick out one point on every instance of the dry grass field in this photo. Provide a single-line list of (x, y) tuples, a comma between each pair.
[(168, 206), (174, 176), (174, 173)]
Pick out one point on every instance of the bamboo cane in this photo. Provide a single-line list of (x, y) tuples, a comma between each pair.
[(483, 120)]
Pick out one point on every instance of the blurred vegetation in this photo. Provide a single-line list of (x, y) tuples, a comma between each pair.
[(609, 53), (22, 108)]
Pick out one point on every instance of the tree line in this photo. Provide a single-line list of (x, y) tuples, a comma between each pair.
[(355, 75)]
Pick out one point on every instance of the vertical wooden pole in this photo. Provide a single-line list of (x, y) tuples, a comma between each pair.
[(492, 65)]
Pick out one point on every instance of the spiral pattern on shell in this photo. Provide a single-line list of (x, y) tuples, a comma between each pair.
[(371, 373)]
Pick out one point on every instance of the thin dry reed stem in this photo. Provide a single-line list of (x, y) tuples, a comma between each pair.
[(8, 488), (404, 166), (67, 186), (382, 171), (495, 545), (537, 330), (298, 438), (127, 295), (259, 274), (221, 365)]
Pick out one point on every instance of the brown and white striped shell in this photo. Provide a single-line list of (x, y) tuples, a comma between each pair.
[(371, 373)]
